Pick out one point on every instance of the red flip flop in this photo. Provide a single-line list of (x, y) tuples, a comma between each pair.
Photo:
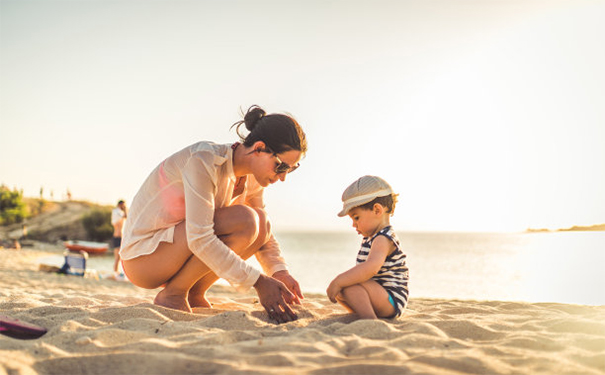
[(19, 330)]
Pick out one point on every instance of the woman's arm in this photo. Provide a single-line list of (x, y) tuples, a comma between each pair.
[(269, 255), (270, 258), (200, 180)]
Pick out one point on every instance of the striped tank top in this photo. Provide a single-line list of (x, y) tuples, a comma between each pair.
[(393, 276)]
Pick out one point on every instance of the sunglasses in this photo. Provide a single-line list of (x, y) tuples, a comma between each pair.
[(282, 167)]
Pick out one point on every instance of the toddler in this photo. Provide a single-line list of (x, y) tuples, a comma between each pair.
[(377, 287)]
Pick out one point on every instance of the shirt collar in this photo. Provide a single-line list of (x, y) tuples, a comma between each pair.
[(230, 153)]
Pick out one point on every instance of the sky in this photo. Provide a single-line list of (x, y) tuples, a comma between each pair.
[(484, 115)]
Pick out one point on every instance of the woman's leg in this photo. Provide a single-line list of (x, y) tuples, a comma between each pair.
[(175, 265), (197, 294)]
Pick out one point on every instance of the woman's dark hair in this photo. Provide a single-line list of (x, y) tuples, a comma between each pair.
[(279, 132), (387, 201)]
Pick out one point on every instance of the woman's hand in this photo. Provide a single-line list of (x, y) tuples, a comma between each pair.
[(271, 293), (333, 290), (291, 284)]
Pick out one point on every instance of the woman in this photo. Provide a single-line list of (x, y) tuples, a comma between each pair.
[(200, 214)]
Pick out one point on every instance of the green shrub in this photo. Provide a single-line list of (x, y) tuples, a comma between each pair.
[(12, 208), (98, 224)]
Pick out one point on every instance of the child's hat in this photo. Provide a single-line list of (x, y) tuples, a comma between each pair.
[(362, 191)]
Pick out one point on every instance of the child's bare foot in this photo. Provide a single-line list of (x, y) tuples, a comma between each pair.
[(172, 301), (198, 300)]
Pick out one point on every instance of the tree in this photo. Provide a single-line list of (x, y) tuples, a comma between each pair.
[(12, 207), (98, 224)]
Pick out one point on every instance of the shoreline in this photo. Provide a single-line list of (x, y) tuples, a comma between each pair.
[(104, 326), (53, 256)]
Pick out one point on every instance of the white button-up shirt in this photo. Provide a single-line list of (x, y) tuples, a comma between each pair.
[(190, 185)]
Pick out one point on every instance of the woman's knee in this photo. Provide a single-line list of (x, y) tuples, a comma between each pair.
[(234, 218), (240, 221), (249, 224), (264, 225)]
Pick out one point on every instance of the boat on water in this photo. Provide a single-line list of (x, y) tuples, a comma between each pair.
[(89, 246)]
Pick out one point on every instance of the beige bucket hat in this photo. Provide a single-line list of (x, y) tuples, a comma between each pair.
[(362, 191)]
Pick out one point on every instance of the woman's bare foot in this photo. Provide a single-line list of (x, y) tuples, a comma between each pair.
[(198, 300), (197, 293), (172, 301)]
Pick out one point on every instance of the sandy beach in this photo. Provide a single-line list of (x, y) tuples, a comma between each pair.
[(111, 327)]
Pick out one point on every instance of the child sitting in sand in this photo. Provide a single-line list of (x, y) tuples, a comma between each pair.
[(377, 287)]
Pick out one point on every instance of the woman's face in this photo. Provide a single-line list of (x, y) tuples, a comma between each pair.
[(265, 168)]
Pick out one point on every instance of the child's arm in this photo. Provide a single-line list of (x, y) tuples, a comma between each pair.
[(381, 248)]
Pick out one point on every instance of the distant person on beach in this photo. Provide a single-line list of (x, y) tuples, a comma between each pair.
[(118, 217), (377, 287), (200, 214)]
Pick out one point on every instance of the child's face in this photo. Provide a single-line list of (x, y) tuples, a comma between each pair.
[(366, 222)]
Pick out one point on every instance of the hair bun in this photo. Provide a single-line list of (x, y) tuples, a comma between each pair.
[(254, 114)]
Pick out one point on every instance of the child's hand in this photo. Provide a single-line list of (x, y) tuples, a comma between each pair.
[(333, 290)]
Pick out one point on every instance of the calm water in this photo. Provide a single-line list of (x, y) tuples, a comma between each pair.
[(566, 267)]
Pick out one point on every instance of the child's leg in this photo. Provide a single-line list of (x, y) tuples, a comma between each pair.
[(379, 298), (369, 300), (356, 299), (176, 266)]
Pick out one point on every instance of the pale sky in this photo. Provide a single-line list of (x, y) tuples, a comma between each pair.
[(484, 115)]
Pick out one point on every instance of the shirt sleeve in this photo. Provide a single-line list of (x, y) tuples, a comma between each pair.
[(269, 256), (200, 184)]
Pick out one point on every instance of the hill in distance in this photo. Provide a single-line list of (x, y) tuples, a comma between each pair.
[(58, 221), (596, 227)]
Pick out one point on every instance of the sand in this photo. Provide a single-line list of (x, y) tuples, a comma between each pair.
[(111, 327)]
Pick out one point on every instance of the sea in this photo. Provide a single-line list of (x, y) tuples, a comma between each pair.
[(564, 267)]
